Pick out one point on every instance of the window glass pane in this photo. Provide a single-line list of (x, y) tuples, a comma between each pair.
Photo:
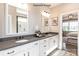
[(73, 26), (65, 26), (22, 25)]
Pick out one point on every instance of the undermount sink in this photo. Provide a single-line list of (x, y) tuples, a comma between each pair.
[(21, 41)]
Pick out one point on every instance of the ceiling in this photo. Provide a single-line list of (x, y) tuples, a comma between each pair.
[(55, 4)]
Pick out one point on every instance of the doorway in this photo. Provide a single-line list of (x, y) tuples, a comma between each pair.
[(70, 33)]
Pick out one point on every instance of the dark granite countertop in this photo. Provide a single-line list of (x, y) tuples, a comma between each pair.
[(6, 44)]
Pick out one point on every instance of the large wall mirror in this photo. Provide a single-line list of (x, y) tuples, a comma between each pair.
[(16, 20)]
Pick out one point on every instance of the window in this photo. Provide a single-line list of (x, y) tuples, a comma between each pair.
[(65, 26), (73, 26), (21, 24), (70, 26)]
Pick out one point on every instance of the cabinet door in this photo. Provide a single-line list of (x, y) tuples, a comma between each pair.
[(55, 40), (33, 49), (21, 53), (8, 52), (42, 52), (44, 46), (51, 42), (22, 50), (14, 51)]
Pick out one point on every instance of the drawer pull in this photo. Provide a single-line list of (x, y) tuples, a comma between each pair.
[(10, 52)]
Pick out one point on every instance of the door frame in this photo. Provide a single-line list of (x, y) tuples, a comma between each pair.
[(60, 29)]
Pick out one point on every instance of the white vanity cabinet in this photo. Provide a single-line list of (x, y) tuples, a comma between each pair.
[(30, 49), (33, 49), (56, 40), (21, 50), (53, 43), (37, 48), (13, 51), (43, 47), (48, 45)]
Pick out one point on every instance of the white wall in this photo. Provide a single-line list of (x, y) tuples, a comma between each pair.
[(12, 12), (2, 17), (65, 7)]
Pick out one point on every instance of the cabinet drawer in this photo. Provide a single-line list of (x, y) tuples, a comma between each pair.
[(12, 51), (8, 52), (44, 41), (42, 52), (21, 53), (54, 41), (33, 49)]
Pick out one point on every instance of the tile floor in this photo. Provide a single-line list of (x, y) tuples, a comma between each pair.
[(62, 53)]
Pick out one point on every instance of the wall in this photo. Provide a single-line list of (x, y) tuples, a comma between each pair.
[(2, 7), (12, 12), (56, 11)]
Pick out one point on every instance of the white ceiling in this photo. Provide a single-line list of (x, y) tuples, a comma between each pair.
[(55, 4), (50, 5)]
